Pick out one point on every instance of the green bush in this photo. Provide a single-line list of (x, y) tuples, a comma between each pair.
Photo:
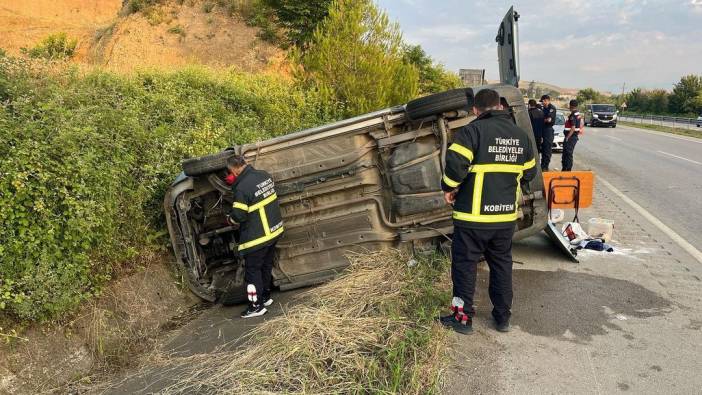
[(356, 57), (55, 46), (85, 161)]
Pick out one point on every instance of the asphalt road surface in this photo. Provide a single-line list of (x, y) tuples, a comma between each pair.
[(661, 172)]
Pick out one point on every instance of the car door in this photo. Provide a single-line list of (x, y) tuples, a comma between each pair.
[(508, 48)]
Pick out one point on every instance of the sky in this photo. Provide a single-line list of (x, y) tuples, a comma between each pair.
[(570, 43)]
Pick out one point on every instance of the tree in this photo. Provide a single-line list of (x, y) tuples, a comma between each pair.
[(637, 100), (685, 94), (589, 95), (432, 76), (356, 57), (657, 101), (299, 18)]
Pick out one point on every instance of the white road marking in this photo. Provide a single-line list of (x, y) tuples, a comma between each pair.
[(680, 157), (613, 138), (664, 134), (684, 244)]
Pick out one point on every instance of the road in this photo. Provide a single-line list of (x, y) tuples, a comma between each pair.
[(661, 172), (629, 321)]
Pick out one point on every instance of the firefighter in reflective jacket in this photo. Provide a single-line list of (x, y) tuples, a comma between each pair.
[(485, 165), (573, 129), (257, 211)]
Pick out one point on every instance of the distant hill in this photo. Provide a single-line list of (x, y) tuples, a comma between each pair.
[(169, 35)]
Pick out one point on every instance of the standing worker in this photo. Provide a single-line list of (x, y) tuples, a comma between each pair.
[(536, 115), (484, 166), (257, 211), (573, 127), (549, 121)]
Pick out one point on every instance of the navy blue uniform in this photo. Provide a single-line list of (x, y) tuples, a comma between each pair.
[(536, 115), (575, 120), (547, 143)]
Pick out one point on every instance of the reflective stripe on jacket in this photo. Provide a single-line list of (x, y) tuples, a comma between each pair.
[(486, 162), (256, 209)]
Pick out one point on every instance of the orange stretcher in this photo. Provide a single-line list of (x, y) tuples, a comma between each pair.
[(569, 189)]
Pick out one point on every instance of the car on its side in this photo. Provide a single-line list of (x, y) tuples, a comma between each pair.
[(601, 115), (365, 183), (699, 121), (558, 132)]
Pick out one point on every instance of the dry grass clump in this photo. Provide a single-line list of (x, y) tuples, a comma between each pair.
[(349, 336)]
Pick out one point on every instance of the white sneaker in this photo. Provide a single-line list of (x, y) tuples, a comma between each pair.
[(268, 302)]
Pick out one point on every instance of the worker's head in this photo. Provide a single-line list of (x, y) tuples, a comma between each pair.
[(486, 100), (546, 100), (573, 104), (236, 164), (532, 103)]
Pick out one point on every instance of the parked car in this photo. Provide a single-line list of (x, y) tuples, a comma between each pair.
[(364, 183), (601, 115), (558, 132), (699, 121)]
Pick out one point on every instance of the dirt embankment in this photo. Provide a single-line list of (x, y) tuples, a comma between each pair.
[(103, 336), (167, 36)]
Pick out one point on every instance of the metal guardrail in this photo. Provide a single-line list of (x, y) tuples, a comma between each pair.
[(662, 120)]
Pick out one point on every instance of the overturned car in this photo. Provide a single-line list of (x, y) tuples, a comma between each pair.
[(364, 183)]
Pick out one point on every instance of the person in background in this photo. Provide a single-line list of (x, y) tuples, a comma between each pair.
[(537, 122), (573, 129), (257, 212), (484, 166), (547, 140)]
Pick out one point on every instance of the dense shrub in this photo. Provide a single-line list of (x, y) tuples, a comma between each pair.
[(54, 47), (85, 160)]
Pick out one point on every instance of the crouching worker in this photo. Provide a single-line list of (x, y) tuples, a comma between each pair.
[(484, 166), (257, 211)]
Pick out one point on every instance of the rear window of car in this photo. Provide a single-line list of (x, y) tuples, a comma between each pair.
[(560, 119), (603, 108)]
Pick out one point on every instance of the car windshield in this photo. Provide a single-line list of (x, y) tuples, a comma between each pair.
[(603, 108), (560, 119)]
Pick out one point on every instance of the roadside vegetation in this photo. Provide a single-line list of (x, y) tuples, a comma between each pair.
[(373, 330), (85, 157), (685, 100), (694, 132)]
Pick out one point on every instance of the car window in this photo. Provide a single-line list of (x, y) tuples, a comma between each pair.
[(603, 108), (560, 119)]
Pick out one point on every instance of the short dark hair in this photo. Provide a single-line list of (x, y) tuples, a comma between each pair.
[(486, 98), (532, 102), (545, 97), (573, 103), (235, 161)]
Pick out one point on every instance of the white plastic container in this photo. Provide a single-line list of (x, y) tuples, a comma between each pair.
[(600, 228)]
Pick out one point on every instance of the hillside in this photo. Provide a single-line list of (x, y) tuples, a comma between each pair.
[(169, 35)]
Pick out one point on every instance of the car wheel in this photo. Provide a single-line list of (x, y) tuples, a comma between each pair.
[(614, 126), (426, 106), (207, 164)]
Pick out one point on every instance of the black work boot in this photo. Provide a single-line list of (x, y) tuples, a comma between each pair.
[(503, 325), (464, 326)]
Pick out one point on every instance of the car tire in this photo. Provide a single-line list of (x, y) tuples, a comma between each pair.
[(207, 164), (438, 103)]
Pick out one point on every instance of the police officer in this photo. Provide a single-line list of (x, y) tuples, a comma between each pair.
[(536, 115), (484, 166), (257, 211), (573, 127), (547, 141)]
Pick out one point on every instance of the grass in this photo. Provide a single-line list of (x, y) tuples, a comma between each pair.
[(370, 331), (697, 132)]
